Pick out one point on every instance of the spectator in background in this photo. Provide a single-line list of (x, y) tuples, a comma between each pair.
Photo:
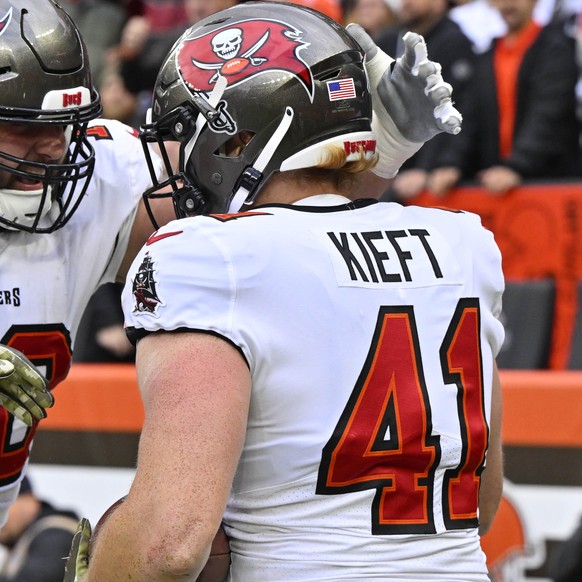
[(576, 27), (481, 21), (148, 37), (447, 45), (198, 9), (374, 15), (36, 536), (117, 101), (521, 123), (145, 40), (331, 8)]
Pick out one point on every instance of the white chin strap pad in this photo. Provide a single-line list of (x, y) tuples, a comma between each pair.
[(22, 206)]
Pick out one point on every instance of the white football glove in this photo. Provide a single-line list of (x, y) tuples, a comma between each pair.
[(23, 389), (411, 101), (78, 560)]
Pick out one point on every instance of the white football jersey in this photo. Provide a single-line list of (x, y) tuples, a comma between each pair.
[(370, 330), (46, 280)]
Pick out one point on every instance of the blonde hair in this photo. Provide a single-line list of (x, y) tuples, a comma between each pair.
[(335, 158), (334, 167)]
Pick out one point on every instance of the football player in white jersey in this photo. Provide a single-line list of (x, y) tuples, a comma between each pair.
[(317, 368), (70, 213)]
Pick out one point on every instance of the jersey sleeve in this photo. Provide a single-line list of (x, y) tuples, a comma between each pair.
[(182, 280)]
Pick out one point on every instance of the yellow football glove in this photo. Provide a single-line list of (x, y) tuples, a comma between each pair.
[(24, 390), (78, 560)]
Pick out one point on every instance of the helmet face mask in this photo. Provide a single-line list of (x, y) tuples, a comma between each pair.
[(44, 81), (277, 81)]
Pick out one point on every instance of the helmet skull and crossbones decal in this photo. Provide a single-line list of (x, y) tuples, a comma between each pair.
[(241, 50), (227, 45)]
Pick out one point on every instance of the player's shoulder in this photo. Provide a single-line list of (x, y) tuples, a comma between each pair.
[(225, 225), (191, 234), (202, 226), (119, 156), (114, 142), (459, 227), (110, 130), (445, 216), (220, 237)]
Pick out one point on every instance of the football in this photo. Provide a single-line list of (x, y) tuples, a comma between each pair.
[(215, 570), (102, 520)]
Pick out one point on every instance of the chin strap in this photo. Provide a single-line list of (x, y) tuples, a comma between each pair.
[(253, 175), (25, 207)]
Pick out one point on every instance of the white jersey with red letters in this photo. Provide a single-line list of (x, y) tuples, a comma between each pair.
[(370, 330), (46, 280)]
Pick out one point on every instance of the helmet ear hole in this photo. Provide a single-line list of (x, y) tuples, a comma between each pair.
[(234, 146)]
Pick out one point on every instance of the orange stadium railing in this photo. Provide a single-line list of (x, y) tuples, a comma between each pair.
[(105, 398)]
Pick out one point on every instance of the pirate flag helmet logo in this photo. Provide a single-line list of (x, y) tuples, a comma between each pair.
[(287, 79), (241, 51)]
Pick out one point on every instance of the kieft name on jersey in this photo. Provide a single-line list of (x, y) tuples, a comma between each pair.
[(389, 256)]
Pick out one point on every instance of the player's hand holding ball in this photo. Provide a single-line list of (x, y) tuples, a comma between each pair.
[(215, 570)]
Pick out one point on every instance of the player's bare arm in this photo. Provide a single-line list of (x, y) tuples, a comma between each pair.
[(492, 476), (209, 377)]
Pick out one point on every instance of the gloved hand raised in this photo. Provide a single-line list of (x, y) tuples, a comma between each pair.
[(23, 389), (411, 101)]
